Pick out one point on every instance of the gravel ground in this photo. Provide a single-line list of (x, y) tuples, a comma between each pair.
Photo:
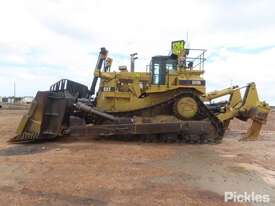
[(89, 172)]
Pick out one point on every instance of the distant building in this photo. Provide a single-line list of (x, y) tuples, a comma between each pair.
[(17, 100), (5, 99), (27, 99)]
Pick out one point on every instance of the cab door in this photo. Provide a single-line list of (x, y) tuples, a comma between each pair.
[(160, 66), (158, 71)]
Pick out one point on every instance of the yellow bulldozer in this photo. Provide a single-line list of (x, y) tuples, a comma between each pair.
[(167, 103)]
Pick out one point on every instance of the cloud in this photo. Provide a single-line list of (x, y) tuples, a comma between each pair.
[(43, 41)]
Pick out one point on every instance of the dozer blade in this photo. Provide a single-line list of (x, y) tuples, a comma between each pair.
[(44, 119)]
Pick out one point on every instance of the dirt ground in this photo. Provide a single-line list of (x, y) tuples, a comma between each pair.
[(89, 172)]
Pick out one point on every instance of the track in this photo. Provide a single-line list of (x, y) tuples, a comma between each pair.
[(205, 128)]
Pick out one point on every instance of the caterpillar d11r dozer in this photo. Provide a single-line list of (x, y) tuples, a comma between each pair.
[(166, 103)]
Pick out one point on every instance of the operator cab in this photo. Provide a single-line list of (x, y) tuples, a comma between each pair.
[(180, 59), (160, 65)]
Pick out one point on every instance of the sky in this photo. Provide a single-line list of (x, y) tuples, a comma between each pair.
[(44, 41)]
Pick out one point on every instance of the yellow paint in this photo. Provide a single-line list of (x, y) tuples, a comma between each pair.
[(122, 91)]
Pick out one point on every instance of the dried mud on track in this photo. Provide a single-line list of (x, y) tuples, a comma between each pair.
[(88, 172)]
